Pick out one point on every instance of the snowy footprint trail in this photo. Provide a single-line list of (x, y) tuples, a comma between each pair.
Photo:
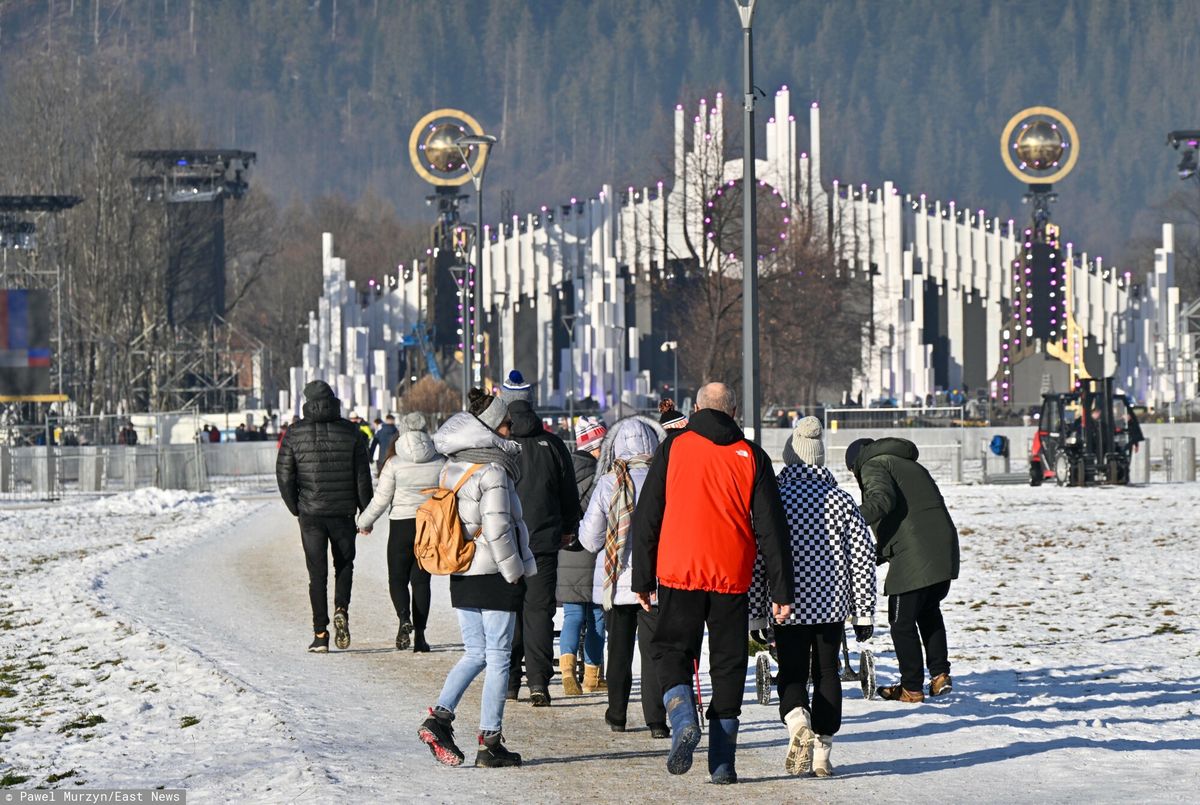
[(1076, 669)]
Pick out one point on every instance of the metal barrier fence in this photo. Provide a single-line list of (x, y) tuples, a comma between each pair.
[(46, 473), (853, 418), (160, 427)]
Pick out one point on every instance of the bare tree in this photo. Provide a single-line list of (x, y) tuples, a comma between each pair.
[(814, 322), (811, 334), (434, 398)]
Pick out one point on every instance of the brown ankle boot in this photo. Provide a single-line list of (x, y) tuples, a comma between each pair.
[(940, 684), (566, 667), (591, 678), (898, 693)]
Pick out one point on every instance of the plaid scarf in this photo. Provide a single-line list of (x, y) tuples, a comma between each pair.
[(620, 515)]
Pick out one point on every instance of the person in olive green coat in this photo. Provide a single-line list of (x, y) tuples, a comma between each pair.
[(915, 536)]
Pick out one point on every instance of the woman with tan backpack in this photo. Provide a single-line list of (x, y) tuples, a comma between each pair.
[(481, 465)]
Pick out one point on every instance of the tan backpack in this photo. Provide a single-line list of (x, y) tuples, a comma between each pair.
[(440, 545)]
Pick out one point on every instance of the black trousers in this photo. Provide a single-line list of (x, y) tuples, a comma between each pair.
[(682, 615), (801, 648), (915, 618), (319, 535), (533, 640), (624, 624), (403, 570)]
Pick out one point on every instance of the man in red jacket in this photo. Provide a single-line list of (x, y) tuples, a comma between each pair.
[(709, 506)]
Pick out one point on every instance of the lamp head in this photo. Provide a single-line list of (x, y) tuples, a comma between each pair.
[(470, 140)]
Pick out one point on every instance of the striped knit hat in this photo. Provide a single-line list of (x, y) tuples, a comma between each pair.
[(515, 388), (670, 417), (589, 432)]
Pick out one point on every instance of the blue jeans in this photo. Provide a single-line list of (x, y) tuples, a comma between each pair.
[(574, 618), (487, 637)]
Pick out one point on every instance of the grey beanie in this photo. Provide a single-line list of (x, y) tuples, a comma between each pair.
[(805, 446), (494, 414), (515, 388)]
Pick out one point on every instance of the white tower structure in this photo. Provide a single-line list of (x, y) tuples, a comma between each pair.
[(936, 274)]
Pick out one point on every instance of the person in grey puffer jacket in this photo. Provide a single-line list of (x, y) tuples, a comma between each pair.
[(488, 594), (622, 467), (411, 464)]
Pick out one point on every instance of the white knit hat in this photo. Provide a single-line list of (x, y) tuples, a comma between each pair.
[(589, 432), (805, 445)]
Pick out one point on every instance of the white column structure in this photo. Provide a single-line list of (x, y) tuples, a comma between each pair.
[(938, 276)]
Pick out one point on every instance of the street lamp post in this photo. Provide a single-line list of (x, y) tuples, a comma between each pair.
[(460, 279), (673, 348), (568, 320), (751, 415), (465, 144)]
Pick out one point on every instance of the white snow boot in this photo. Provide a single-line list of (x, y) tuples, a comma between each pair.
[(820, 762), (800, 747)]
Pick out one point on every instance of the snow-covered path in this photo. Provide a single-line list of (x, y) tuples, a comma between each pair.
[(1076, 667)]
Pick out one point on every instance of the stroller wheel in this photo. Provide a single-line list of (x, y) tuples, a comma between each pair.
[(866, 673), (762, 677)]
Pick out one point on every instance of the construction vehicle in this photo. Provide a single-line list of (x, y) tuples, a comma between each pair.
[(1084, 437), (419, 339)]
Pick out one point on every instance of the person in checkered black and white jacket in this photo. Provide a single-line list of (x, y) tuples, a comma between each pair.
[(833, 556)]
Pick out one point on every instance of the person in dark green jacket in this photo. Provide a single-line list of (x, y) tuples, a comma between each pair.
[(915, 536)]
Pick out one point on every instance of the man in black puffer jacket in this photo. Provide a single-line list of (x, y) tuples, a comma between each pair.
[(550, 501), (325, 479)]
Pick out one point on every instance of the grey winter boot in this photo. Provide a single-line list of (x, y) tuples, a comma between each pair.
[(722, 748), (820, 763), (800, 745), (685, 732)]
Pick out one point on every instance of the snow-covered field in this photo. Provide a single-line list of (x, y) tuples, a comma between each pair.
[(157, 639)]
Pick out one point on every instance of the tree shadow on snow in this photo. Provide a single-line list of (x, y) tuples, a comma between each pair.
[(1021, 749), (603, 757), (1074, 695), (1082, 690)]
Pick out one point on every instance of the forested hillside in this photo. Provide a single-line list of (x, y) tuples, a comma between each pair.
[(581, 92)]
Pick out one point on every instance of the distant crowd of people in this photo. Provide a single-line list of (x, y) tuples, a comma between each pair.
[(652, 534)]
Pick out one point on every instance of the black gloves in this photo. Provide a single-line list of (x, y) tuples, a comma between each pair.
[(863, 633)]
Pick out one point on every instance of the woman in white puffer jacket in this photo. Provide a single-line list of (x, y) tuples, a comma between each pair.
[(621, 471), (412, 465), (488, 594)]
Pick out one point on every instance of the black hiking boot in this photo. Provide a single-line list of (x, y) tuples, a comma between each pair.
[(493, 754), (341, 628), (614, 724), (437, 733), (320, 643), (659, 731), (420, 646), (539, 697), (404, 635)]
